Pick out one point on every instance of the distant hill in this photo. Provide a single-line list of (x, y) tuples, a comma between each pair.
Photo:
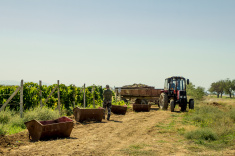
[(9, 82), (13, 82)]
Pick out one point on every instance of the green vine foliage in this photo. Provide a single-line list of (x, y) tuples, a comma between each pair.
[(68, 94)]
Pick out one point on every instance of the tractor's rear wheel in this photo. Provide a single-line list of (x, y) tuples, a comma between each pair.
[(163, 101), (172, 103), (191, 104)]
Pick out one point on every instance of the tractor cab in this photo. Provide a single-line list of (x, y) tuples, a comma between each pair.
[(175, 83)]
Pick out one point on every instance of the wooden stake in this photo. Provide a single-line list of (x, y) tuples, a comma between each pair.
[(40, 92), (58, 86), (21, 97), (93, 91), (115, 94), (84, 96), (9, 99), (74, 96), (53, 90), (120, 96)]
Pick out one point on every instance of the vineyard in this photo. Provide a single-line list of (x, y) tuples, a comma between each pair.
[(68, 95)]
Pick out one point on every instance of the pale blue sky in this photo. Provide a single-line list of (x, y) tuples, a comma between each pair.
[(117, 42)]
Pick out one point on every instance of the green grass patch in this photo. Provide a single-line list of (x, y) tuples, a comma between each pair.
[(5, 116), (162, 141), (13, 129), (2, 130), (202, 134), (232, 114), (10, 121), (39, 113), (214, 126), (138, 149), (167, 128)]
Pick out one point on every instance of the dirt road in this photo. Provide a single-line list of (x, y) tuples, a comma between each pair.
[(143, 133)]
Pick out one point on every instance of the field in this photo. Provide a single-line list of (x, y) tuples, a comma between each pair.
[(209, 130)]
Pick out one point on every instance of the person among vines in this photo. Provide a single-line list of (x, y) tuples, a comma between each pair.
[(107, 102)]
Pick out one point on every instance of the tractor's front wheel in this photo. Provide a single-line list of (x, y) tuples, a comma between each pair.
[(183, 107), (172, 103), (163, 101)]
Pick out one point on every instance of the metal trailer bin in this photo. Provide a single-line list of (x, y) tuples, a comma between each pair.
[(88, 114), (141, 107), (40, 130), (116, 109)]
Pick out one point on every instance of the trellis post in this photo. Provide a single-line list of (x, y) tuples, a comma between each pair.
[(58, 86), (21, 97), (74, 96), (40, 92), (84, 96), (93, 91)]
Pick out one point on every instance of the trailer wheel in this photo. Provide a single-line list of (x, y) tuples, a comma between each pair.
[(172, 103), (144, 101), (191, 104), (125, 100), (163, 101)]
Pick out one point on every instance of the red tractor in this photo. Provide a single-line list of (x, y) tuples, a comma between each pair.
[(175, 93)]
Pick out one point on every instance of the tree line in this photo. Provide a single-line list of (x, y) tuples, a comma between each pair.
[(223, 86)]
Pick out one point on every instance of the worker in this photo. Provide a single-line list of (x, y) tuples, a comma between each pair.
[(107, 102), (172, 86)]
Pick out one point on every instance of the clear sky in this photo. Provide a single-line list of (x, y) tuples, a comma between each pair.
[(117, 42)]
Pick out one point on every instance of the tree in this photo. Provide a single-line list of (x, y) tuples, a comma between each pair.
[(215, 88), (221, 87), (229, 87), (196, 93), (218, 88)]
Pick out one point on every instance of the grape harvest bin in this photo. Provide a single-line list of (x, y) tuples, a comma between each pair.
[(141, 107), (116, 109), (40, 130), (88, 114)]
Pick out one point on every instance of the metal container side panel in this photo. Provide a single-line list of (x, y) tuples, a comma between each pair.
[(76, 114), (129, 92), (156, 92), (91, 114), (148, 92), (125, 92), (145, 92), (116, 109), (58, 130), (141, 107), (35, 129), (88, 114)]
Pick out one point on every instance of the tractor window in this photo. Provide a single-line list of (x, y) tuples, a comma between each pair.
[(166, 86), (180, 84), (172, 84)]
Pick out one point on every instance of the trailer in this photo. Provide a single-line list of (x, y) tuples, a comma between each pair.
[(139, 93)]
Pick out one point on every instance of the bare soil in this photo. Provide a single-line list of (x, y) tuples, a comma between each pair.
[(143, 133)]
